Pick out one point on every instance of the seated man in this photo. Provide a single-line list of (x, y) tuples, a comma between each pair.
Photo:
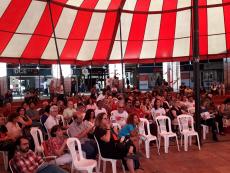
[(26, 161), (68, 112), (80, 129), (120, 115), (53, 118), (6, 141)]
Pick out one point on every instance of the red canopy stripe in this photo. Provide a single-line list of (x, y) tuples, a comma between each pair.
[(78, 31), (203, 29), (167, 31), (42, 33), (10, 21), (137, 31), (105, 40), (227, 25)]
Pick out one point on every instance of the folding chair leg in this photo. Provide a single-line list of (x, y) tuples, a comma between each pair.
[(147, 149), (158, 149), (198, 141), (114, 168), (177, 144), (185, 143), (104, 166)]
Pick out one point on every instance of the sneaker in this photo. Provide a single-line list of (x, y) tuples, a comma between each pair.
[(131, 156)]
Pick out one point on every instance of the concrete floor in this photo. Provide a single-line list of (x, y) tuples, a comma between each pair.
[(213, 158)]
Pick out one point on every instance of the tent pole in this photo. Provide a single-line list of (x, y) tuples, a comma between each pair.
[(39, 80), (122, 63), (56, 46), (20, 80), (196, 65)]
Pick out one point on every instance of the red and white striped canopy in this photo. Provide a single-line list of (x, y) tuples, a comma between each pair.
[(88, 31)]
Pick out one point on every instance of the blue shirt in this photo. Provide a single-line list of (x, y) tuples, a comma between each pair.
[(126, 130)]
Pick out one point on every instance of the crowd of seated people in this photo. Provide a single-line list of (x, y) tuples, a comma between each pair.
[(84, 117)]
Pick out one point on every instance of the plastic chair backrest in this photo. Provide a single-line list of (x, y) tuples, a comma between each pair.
[(162, 123), (71, 143), (191, 110), (68, 133), (62, 119), (11, 167), (142, 124), (118, 126), (98, 147), (153, 115), (186, 122), (37, 137), (45, 148), (48, 133)]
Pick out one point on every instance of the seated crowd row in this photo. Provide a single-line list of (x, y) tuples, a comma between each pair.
[(87, 116)]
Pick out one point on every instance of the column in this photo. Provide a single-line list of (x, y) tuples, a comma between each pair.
[(66, 72), (171, 74), (3, 79)]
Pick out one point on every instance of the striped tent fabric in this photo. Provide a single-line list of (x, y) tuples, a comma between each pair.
[(111, 31)]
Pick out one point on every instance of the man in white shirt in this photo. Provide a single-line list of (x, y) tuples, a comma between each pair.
[(120, 115), (99, 108), (69, 111), (53, 118), (108, 81), (158, 112)]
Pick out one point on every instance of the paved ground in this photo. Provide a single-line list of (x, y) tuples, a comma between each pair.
[(213, 158)]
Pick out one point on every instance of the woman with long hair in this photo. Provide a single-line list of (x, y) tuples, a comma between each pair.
[(13, 128), (109, 143), (130, 130)]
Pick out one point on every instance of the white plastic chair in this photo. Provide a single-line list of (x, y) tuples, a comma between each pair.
[(36, 134), (5, 159), (113, 161), (186, 126), (79, 162), (147, 137), (11, 167), (153, 115), (116, 125), (61, 117), (162, 123), (47, 131), (68, 133)]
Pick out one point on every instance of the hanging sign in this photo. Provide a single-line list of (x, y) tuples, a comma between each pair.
[(85, 71), (143, 82)]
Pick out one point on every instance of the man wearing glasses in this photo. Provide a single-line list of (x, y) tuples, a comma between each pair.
[(120, 115)]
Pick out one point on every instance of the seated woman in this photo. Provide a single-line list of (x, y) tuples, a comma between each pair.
[(23, 119), (89, 121), (7, 143), (173, 113), (109, 142), (157, 110), (206, 119), (56, 146), (130, 130), (14, 130)]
